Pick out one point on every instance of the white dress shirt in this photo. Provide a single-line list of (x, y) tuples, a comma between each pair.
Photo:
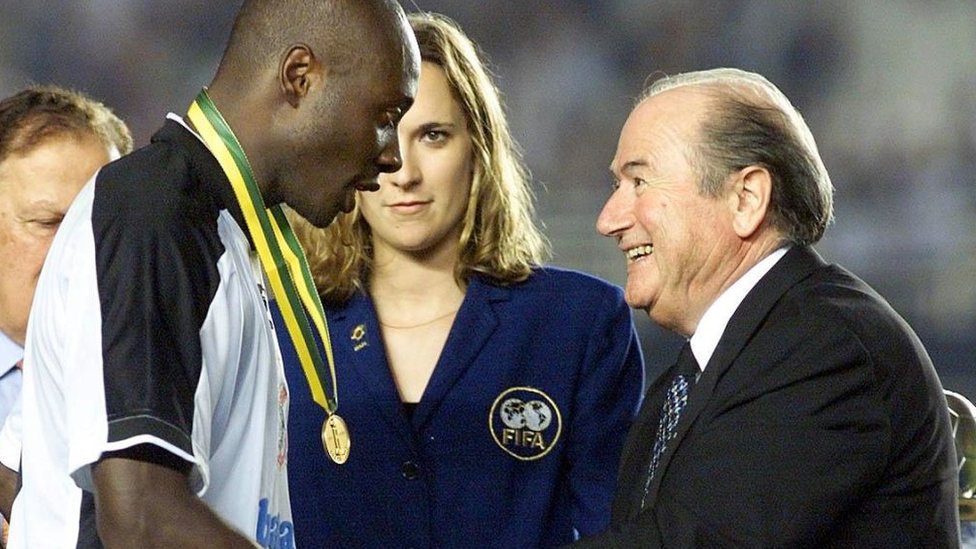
[(10, 376), (716, 317)]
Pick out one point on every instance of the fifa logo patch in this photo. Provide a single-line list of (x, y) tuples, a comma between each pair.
[(525, 423)]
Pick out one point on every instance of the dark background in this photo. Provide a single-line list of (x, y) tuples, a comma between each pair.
[(888, 88)]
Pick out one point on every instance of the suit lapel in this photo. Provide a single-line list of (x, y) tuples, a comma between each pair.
[(798, 263), (475, 322), (357, 339)]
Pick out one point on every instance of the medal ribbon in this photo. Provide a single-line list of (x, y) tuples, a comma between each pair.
[(281, 255)]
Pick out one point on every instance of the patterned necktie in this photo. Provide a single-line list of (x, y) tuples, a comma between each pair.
[(674, 401)]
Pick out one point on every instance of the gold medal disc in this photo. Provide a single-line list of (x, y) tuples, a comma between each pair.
[(335, 438)]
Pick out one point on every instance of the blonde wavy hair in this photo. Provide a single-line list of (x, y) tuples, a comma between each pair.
[(499, 236)]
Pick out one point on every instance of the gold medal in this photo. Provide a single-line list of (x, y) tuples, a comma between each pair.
[(286, 268), (335, 438)]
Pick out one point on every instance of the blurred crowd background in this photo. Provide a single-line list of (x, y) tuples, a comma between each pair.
[(887, 86)]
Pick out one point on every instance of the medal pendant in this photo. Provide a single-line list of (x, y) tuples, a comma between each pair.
[(335, 439)]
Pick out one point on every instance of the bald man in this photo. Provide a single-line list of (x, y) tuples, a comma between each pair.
[(153, 379)]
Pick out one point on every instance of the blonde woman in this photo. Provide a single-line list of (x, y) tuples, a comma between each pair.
[(487, 397)]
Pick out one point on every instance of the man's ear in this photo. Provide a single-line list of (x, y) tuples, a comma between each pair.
[(296, 72), (749, 199)]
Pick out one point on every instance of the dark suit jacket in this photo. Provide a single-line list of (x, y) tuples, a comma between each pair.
[(818, 422)]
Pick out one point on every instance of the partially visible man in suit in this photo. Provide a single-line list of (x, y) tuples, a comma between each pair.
[(803, 412), (52, 140)]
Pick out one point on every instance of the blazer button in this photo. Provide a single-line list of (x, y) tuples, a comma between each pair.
[(410, 470)]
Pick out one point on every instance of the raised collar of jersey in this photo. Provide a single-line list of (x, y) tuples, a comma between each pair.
[(204, 168)]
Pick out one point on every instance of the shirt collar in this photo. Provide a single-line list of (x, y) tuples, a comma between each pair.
[(179, 120), (10, 353), (716, 317)]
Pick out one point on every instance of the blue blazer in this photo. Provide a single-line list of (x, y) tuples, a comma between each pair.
[(515, 442)]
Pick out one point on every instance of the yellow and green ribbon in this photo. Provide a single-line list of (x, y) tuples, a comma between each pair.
[(281, 255)]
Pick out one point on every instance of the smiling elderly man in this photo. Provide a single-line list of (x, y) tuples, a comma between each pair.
[(803, 411)]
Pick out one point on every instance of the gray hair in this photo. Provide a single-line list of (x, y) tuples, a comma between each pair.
[(754, 124)]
